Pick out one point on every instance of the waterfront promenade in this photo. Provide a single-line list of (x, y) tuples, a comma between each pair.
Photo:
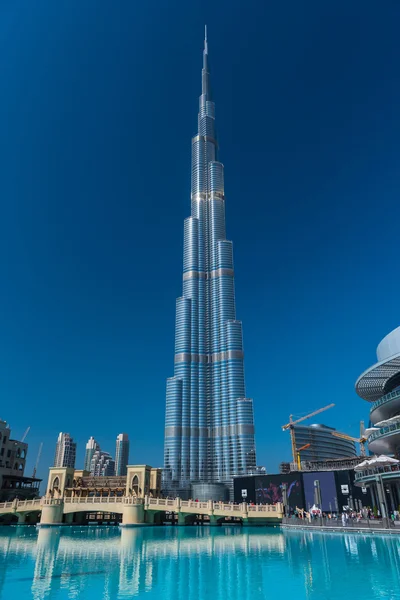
[(335, 524)]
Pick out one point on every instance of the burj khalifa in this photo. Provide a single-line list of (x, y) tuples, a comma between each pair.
[(209, 422)]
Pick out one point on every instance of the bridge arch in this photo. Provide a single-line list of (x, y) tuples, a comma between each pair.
[(135, 486)]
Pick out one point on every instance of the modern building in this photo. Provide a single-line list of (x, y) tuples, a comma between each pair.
[(65, 455), (121, 454), (323, 444), (380, 385), (13, 483), (102, 464), (91, 448), (209, 424)]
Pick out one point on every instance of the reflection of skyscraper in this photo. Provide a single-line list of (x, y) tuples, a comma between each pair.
[(209, 426), (91, 448), (65, 451), (121, 454)]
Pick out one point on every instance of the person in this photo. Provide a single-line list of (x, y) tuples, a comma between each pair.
[(369, 513)]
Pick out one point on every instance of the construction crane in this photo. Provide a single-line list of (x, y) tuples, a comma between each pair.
[(26, 433), (37, 461), (298, 450), (361, 440), (292, 423)]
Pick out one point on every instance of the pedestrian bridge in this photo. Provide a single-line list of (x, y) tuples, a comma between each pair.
[(140, 511)]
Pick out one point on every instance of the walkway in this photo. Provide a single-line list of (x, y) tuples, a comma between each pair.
[(136, 511)]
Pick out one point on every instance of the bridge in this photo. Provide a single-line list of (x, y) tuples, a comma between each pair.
[(142, 511)]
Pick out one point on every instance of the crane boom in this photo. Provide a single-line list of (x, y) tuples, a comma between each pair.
[(344, 436), (37, 461), (316, 412), (26, 433), (361, 440)]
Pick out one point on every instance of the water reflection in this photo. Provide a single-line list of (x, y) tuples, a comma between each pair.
[(180, 563)]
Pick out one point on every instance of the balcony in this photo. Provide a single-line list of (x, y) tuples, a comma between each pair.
[(369, 474), (386, 440), (386, 407)]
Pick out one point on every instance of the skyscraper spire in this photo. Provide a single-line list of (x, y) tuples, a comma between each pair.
[(209, 425), (205, 85)]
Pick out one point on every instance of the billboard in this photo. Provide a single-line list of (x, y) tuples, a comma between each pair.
[(327, 486), (269, 489)]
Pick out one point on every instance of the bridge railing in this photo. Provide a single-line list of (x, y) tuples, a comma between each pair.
[(21, 504), (93, 499)]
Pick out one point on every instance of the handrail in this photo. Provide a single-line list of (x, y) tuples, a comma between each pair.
[(384, 399), (370, 472), (383, 431)]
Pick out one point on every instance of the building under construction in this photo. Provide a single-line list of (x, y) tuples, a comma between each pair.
[(319, 444), (13, 453)]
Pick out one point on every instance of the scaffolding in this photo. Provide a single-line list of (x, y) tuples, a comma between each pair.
[(336, 464)]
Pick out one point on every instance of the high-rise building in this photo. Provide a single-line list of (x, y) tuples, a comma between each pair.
[(121, 454), (323, 445), (102, 464), (209, 425), (65, 451), (91, 448)]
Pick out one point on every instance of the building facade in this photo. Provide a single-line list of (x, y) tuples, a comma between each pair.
[(337, 489), (380, 386), (121, 454), (209, 424), (91, 448), (13, 483), (65, 455), (102, 464), (323, 445)]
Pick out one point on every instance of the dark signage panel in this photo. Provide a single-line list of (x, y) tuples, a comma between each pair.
[(243, 489), (269, 489), (327, 486)]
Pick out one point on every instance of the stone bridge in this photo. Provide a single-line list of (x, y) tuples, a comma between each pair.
[(141, 511)]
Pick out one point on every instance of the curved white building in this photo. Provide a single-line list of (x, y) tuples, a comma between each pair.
[(380, 385)]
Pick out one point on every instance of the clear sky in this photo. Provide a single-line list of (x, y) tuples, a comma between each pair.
[(98, 105)]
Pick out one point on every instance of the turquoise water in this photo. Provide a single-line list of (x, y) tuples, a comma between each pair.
[(173, 563)]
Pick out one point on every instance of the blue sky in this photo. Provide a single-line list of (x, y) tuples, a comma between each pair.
[(98, 105)]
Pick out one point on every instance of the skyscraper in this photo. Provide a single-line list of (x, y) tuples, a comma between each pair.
[(209, 425), (102, 464), (65, 451), (121, 454), (91, 448)]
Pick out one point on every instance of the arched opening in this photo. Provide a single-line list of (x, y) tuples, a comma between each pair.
[(18, 452), (56, 484), (23, 453), (136, 491), (20, 468), (16, 466)]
